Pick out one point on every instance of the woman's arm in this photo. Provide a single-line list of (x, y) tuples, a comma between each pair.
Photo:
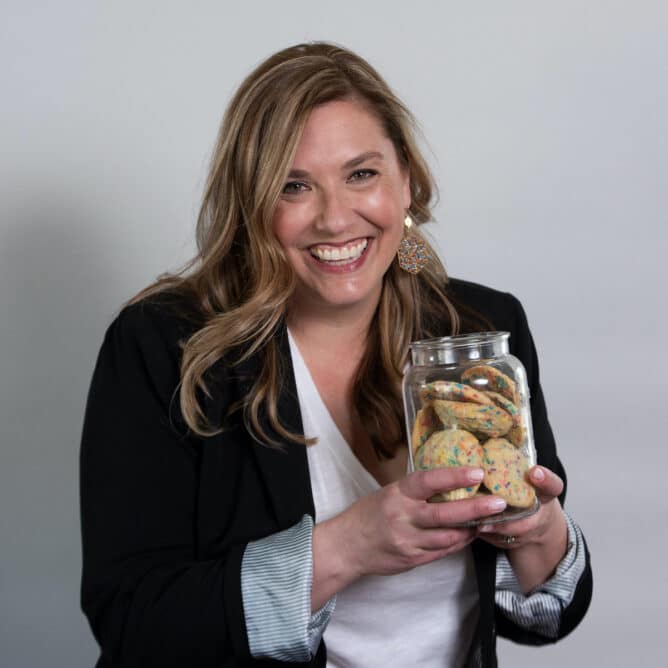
[(395, 529), (542, 539), (149, 599), (541, 610)]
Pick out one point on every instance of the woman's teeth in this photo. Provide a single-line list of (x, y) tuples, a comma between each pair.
[(336, 254)]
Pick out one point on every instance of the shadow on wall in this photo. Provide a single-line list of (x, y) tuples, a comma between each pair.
[(60, 281)]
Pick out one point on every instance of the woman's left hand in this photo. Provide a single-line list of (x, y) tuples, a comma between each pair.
[(535, 544)]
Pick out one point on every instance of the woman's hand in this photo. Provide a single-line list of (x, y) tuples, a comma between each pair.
[(395, 529), (535, 544)]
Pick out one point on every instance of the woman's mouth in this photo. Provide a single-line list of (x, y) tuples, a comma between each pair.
[(339, 254)]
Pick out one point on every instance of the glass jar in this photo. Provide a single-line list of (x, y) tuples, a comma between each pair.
[(466, 401)]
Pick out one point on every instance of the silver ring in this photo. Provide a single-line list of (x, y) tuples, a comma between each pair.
[(509, 540)]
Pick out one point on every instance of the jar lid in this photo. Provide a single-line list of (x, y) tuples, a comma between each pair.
[(459, 348)]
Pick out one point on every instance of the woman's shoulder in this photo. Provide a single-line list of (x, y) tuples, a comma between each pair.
[(169, 311), (154, 324)]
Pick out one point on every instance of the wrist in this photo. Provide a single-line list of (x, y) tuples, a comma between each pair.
[(335, 561), (554, 536), (536, 561)]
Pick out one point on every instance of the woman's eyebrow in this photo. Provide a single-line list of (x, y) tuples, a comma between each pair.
[(353, 162), (363, 157), (298, 174)]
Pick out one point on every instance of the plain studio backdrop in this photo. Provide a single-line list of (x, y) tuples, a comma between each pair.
[(545, 125)]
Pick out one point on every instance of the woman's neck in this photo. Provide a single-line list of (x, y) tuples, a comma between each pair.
[(339, 332)]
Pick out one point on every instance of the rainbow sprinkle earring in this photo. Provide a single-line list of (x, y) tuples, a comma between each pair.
[(412, 253)]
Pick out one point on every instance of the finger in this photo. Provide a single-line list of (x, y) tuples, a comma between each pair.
[(435, 555), (511, 527), (503, 541), (452, 513), (548, 484), (452, 547), (446, 539), (424, 484)]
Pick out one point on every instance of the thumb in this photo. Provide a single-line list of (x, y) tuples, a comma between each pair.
[(548, 485)]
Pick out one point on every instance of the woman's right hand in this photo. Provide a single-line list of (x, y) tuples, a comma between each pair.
[(395, 529)]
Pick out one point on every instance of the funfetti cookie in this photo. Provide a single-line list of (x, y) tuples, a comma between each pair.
[(505, 403), (484, 419), (485, 377), (450, 447), (517, 435), (505, 470), (451, 391), (426, 423)]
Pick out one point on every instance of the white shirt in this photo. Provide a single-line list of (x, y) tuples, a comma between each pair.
[(425, 616)]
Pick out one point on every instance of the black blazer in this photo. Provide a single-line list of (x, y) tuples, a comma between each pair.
[(166, 516)]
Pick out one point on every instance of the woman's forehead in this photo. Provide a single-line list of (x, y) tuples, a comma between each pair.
[(342, 132)]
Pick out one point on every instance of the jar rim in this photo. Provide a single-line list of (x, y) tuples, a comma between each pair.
[(460, 340)]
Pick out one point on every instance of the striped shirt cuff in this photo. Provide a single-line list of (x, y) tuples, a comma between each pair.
[(540, 611), (276, 579)]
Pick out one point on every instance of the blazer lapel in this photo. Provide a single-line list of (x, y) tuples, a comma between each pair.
[(284, 468)]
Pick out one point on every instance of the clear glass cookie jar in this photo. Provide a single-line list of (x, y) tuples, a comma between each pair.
[(466, 401)]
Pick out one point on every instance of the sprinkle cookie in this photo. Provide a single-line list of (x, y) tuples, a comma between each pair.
[(450, 447), (450, 391), (505, 468), (426, 423), (506, 404), (482, 419), (488, 378), (518, 433)]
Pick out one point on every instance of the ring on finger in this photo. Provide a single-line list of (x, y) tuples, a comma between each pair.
[(509, 540)]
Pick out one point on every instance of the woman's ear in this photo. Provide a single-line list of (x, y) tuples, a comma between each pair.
[(406, 185), (406, 171)]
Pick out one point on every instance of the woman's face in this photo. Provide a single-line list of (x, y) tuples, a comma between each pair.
[(340, 216)]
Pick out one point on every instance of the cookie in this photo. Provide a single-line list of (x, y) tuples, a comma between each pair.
[(505, 403), (483, 419), (517, 435), (488, 378), (505, 470), (426, 423), (450, 391), (450, 447)]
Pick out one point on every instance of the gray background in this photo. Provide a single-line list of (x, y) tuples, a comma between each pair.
[(546, 129)]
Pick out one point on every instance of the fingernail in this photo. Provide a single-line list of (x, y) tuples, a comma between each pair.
[(538, 474), (496, 504), (476, 475), (486, 528)]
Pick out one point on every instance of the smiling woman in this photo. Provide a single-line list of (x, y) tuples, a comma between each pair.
[(259, 390), (340, 224)]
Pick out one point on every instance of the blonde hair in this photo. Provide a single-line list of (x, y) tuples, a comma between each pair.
[(240, 282)]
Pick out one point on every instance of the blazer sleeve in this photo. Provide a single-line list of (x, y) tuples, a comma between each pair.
[(522, 346), (148, 599)]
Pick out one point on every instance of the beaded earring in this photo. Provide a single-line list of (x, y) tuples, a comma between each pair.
[(412, 252)]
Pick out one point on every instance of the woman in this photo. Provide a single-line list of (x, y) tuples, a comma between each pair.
[(258, 391)]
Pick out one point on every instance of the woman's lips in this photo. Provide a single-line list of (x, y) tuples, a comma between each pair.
[(357, 252), (346, 252)]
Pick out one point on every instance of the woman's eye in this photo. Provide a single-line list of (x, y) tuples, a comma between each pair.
[(362, 174), (294, 188)]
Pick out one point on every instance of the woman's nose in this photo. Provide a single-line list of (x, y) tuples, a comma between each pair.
[(336, 212)]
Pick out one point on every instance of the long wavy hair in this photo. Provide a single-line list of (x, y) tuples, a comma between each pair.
[(240, 282)]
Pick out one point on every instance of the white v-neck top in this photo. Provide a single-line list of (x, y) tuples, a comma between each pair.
[(423, 617)]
